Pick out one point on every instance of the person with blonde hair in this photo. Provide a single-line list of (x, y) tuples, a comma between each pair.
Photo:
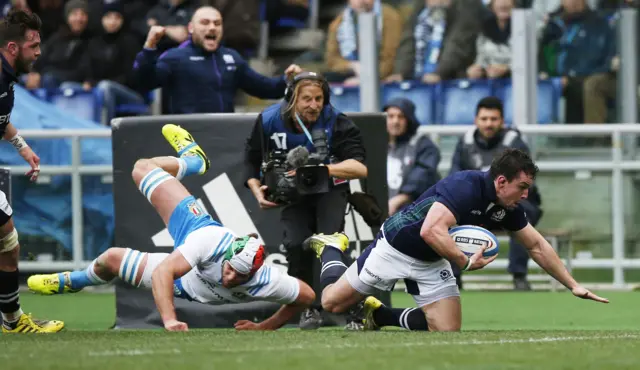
[(304, 122)]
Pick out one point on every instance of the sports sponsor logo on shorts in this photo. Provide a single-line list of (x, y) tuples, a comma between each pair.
[(372, 274)]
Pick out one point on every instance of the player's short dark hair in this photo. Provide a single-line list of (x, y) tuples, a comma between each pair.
[(491, 103), (511, 162), (14, 26)]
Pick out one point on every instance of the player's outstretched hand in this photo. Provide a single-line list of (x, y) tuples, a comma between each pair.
[(478, 261), (34, 162), (175, 325), (247, 325), (583, 293)]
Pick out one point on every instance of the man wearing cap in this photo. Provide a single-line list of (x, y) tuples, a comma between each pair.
[(210, 263), (412, 158)]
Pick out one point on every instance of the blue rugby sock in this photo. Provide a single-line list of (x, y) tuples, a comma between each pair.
[(84, 278), (192, 164)]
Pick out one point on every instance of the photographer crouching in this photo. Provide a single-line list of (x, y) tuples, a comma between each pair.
[(300, 156)]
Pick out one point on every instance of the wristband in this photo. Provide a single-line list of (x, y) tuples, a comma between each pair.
[(467, 265), (18, 142)]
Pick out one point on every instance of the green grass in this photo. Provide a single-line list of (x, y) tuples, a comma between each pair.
[(502, 330)]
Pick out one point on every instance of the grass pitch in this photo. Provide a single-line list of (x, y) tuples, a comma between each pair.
[(502, 330)]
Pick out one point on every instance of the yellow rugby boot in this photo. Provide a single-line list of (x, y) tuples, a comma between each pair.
[(319, 241), (184, 144), (371, 304), (51, 283), (27, 324)]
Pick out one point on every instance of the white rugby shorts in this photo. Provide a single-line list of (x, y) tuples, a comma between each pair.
[(380, 266)]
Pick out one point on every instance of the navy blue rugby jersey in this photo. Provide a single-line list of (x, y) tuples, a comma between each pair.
[(469, 195), (7, 79)]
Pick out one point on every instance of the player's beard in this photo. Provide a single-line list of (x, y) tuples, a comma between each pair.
[(22, 66)]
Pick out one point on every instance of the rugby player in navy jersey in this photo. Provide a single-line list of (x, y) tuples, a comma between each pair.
[(19, 49), (415, 245)]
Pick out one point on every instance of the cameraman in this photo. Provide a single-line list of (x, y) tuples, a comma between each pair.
[(304, 119)]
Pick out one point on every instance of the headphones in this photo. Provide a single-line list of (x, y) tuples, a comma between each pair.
[(291, 86)]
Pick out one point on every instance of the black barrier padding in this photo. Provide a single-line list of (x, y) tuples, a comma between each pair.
[(222, 136)]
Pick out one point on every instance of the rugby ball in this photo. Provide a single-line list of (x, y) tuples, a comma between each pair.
[(469, 238)]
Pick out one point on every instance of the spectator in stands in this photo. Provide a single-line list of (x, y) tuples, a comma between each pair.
[(241, 25), (412, 158), (65, 54), (584, 44), (475, 151), (341, 55), (201, 76), (438, 41), (111, 55), (174, 15), (493, 46), (134, 13)]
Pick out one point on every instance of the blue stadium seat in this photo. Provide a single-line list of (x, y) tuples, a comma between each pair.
[(345, 99), (422, 95), (549, 92), (457, 100), (283, 22), (80, 103)]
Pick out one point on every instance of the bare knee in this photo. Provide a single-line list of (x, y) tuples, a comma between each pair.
[(330, 303), (451, 326), (141, 168), (111, 259)]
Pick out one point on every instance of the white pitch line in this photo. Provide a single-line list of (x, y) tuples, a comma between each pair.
[(144, 352)]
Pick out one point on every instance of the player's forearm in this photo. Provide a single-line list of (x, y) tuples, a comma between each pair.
[(442, 243), (11, 135), (544, 255), (348, 169), (284, 314), (10, 131), (162, 287)]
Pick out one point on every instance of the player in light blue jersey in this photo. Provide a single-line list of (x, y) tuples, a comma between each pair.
[(210, 263)]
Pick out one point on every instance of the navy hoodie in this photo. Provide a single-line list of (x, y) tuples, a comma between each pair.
[(198, 81)]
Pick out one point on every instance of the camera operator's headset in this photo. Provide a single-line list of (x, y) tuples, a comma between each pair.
[(291, 86)]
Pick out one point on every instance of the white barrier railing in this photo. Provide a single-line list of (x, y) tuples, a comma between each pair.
[(76, 170), (616, 166)]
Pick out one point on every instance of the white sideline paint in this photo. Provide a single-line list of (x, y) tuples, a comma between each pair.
[(143, 352)]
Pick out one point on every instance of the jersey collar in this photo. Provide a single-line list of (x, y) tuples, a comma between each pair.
[(7, 70), (489, 187)]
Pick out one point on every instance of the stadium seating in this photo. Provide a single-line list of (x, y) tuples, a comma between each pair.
[(88, 104), (423, 96), (345, 99), (454, 102), (549, 93), (78, 102), (457, 100)]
